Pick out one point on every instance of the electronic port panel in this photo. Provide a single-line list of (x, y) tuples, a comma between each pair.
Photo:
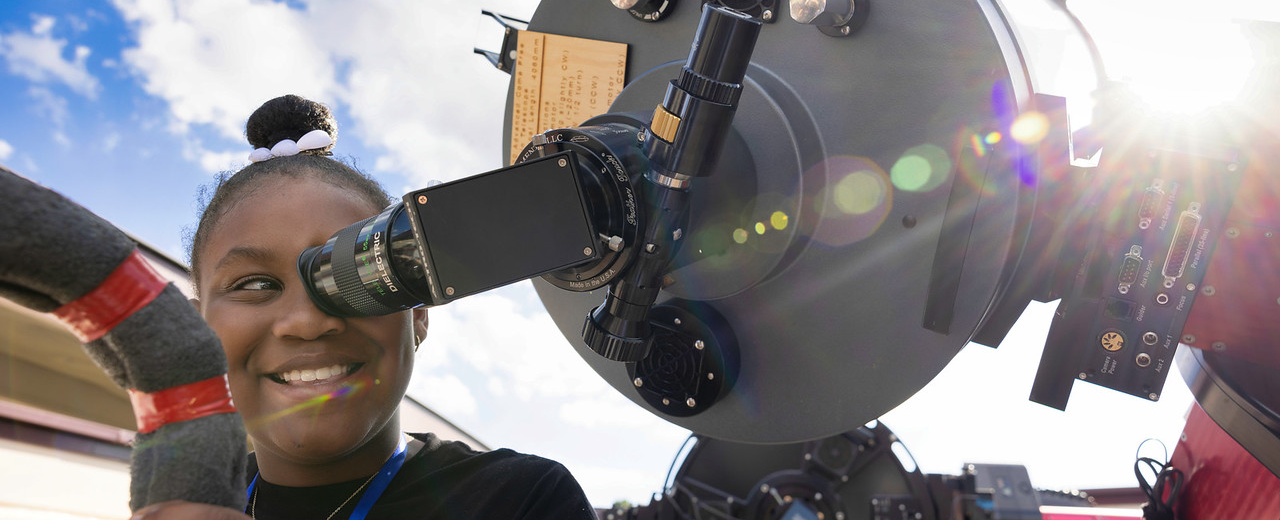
[(1154, 230)]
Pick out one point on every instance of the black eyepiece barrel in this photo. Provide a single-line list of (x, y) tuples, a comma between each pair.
[(723, 45), (696, 113)]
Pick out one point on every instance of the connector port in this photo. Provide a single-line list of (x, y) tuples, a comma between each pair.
[(1150, 205), (1180, 248), (1129, 268)]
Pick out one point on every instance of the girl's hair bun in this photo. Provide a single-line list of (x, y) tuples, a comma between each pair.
[(289, 117)]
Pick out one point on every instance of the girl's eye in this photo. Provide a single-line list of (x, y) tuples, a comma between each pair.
[(256, 284)]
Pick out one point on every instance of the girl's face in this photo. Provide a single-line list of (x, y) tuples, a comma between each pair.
[(312, 388)]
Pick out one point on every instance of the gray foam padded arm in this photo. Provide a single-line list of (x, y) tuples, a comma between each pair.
[(53, 251)]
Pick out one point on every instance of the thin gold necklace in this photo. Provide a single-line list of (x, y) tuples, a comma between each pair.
[(254, 501)]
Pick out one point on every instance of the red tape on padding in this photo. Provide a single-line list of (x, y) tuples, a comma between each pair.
[(130, 287), (181, 403)]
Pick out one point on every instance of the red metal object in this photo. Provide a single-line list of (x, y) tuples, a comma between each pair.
[(1223, 481), (1235, 312)]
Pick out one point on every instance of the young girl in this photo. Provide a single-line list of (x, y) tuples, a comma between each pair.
[(319, 393)]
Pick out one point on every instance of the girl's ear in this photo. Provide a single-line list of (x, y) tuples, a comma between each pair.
[(419, 325)]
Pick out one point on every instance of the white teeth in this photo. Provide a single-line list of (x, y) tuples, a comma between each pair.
[(318, 374)]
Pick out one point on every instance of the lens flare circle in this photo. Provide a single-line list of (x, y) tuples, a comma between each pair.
[(921, 168), (1029, 128), (852, 201), (778, 220)]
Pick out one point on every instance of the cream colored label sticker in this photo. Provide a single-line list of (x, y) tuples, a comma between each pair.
[(561, 81)]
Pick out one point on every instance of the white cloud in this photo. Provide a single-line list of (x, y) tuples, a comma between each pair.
[(190, 54), (38, 56), (110, 141), (606, 484), (449, 395), (216, 162), (6, 150), (49, 105), (392, 66), (41, 25), (609, 410), (490, 334)]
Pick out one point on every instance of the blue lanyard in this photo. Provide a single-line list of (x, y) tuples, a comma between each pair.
[(376, 486)]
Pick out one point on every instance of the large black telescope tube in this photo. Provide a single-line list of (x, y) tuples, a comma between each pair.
[(683, 141)]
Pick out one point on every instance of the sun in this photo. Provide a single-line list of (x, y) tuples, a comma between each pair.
[(1174, 60)]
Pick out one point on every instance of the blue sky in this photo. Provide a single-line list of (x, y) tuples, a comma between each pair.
[(129, 107)]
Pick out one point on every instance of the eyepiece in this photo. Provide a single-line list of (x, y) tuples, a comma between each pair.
[(722, 46), (370, 268)]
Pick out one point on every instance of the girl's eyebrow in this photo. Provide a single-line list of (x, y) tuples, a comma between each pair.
[(245, 253)]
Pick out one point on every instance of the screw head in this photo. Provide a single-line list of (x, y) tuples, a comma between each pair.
[(638, 382), (1233, 232), (449, 291), (677, 321), (844, 31), (562, 163), (665, 401), (1083, 375), (699, 345), (767, 15), (1154, 396), (1219, 346), (1188, 338), (711, 376), (586, 251), (422, 199), (1191, 287), (1208, 290), (690, 402)]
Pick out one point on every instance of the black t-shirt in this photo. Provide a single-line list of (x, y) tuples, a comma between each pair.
[(445, 481)]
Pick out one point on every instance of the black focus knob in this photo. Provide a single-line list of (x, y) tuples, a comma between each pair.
[(617, 338)]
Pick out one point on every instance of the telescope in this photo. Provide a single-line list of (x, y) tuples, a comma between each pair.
[(785, 230)]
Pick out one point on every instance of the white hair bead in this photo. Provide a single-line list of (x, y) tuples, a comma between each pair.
[(284, 148), (314, 140)]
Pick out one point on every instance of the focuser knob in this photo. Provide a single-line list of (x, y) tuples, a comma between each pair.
[(604, 338)]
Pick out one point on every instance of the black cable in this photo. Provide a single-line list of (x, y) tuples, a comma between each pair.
[(666, 481), (1168, 481), (1099, 68)]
